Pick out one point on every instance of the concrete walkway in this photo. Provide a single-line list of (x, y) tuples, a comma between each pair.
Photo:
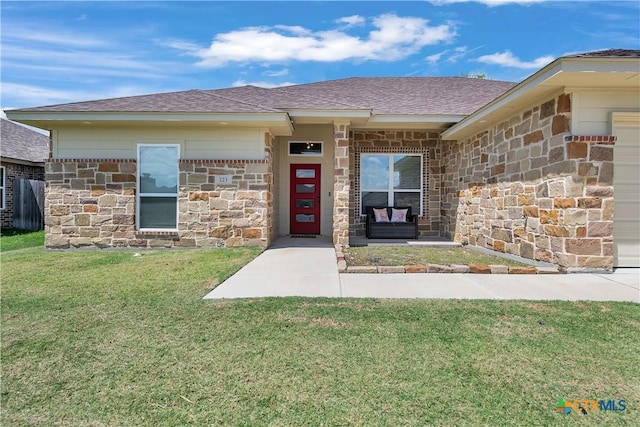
[(307, 267)]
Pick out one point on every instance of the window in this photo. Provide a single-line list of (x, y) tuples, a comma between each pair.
[(2, 185), (391, 180), (157, 187), (305, 148)]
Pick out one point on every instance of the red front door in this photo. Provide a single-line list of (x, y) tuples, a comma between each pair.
[(305, 199)]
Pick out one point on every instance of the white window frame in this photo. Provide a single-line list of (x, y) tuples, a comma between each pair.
[(3, 186), (139, 194), (390, 190), (320, 154)]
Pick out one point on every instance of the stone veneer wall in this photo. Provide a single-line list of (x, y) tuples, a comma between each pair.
[(91, 202), (341, 185), (528, 187), (15, 171), (408, 141)]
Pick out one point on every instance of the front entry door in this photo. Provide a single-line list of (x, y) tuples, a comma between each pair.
[(305, 199)]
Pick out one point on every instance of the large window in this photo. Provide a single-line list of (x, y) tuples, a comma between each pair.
[(158, 187), (391, 180), (2, 187)]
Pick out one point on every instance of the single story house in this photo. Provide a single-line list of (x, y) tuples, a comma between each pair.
[(546, 169), (23, 152)]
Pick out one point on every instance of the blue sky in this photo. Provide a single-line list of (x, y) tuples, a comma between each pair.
[(58, 52)]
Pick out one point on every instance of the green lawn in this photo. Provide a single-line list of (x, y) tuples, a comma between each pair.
[(410, 255), (12, 239), (102, 338)]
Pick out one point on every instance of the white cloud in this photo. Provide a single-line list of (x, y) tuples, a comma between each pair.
[(266, 85), (30, 93), (507, 59), (35, 95), (433, 59), (178, 44), (450, 55), (278, 73), (352, 20), (61, 37), (392, 38), (490, 3)]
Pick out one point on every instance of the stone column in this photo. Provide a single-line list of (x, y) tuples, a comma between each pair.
[(341, 187)]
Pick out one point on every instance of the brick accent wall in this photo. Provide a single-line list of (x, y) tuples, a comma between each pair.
[(528, 187), (15, 171), (385, 141), (91, 202)]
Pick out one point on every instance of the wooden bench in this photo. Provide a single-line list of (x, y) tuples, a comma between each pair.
[(391, 230)]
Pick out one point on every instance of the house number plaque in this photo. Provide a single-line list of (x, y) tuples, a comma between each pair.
[(223, 179)]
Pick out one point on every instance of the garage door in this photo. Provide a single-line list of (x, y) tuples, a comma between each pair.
[(626, 183)]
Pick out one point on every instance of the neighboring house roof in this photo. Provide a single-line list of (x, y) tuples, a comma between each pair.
[(22, 144), (382, 95)]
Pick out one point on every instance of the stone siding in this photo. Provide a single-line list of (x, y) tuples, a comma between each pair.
[(92, 202), (528, 187), (15, 171), (408, 141), (342, 195)]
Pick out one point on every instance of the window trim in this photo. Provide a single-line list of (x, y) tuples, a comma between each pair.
[(390, 190), (139, 194), (320, 154), (3, 186)]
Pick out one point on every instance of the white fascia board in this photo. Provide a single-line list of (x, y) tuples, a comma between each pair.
[(55, 116), (601, 65)]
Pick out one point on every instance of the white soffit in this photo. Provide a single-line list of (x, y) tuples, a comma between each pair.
[(414, 121), (313, 116)]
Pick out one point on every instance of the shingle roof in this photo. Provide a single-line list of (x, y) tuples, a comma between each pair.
[(406, 95), (608, 53), (21, 143), (382, 95), (189, 101)]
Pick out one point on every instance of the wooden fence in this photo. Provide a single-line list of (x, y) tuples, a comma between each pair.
[(28, 204)]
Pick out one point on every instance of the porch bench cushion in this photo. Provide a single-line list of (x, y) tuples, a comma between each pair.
[(391, 230)]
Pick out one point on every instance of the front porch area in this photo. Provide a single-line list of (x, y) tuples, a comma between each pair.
[(433, 242)]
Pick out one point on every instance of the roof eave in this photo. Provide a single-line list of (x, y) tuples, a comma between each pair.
[(6, 159), (412, 121), (277, 122), (545, 81), (326, 116)]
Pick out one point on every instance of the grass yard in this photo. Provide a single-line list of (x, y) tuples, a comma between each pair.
[(12, 239), (107, 338), (408, 255)]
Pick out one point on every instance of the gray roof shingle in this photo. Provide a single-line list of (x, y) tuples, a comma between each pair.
[(608, 53), (21, 143), (382, 95)]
